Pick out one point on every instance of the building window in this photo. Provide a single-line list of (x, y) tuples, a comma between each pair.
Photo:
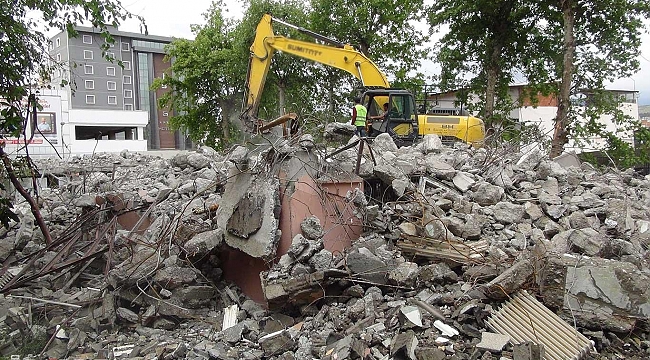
[(128, 94), (90, 99), (127, 65), (110, 55), (125, 46), (90, 84), (127, 79), (58, 57), (110, 71), (165, 113), (128, 107), (143, 81), (111, 85), (88, 54), (58, 42), (112, 100), (88, 70), (87, 39)]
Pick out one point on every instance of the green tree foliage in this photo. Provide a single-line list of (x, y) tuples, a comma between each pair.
[(23, 44), (24, 61), (290, 84), (600, 43), (205, 82), (560, 47), (486, 43), (208, 74), (385, 31)]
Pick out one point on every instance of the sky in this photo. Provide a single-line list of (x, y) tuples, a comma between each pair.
[(173, 18)]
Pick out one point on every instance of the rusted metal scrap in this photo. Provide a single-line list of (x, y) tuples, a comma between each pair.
[(90, 236)]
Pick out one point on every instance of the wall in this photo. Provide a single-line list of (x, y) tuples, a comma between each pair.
[(109, 119), (50, 140)]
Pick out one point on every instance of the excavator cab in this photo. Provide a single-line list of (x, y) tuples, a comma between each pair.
[(400, 122)]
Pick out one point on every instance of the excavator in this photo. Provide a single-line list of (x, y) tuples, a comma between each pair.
[(401, 121)]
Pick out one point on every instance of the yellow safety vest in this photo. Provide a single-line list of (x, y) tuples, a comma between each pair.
[(361, 115)]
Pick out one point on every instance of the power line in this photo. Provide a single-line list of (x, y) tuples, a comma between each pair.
[(644, 58)]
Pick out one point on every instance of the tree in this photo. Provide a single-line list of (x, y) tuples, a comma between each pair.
[(23, 59), (601, 42), (289, 77), (208, 73), (485, 42), (205, 80), (386, 31)]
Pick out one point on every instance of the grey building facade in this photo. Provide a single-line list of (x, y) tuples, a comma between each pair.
[(123, 84)]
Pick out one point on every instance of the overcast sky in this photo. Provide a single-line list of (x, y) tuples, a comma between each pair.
[(174, 17)]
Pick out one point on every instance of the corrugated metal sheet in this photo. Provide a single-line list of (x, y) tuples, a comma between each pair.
[(525, 319)]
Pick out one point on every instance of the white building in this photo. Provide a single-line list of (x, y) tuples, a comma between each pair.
[(544, 111), (66, 132)]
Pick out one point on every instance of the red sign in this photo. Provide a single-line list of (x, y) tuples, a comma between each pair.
[(20, 141)]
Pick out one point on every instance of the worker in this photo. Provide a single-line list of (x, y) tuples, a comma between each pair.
[(382, 114), (359, 117), (381, 117)]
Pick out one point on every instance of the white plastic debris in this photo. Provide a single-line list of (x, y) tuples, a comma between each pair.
[(446, 329)]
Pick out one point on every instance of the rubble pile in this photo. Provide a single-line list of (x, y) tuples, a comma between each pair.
[(457, 243)]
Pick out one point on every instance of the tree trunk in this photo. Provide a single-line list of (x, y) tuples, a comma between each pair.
[(501, 27), (560, 136), (282, 98), (227, 106), (331, 81), (30, 200), (491, 74)]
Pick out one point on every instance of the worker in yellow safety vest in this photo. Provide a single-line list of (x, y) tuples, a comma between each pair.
[(359, 116)]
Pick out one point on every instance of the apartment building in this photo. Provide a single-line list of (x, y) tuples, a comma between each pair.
[(111, 100)]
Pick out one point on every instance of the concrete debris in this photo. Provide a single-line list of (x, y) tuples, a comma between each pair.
[(528, 351), (493, 342), (294, 256)]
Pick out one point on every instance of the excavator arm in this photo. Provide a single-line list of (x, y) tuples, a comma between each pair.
[(341, 56)]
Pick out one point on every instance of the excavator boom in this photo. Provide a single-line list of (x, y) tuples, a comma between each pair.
[(341, 56), (402, 120)]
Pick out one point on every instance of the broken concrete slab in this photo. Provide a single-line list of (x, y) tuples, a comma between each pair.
[(276, 343), (311, 228), (600, 293), (439, 168), (486, 194), (404, 344), (493, 341), (367, 265), (430, 143), (404, 274), (202, 243), (248, 214), (463, 181), (511, 280), (508, 213)]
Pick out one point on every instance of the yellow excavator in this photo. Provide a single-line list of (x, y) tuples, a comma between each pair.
[(401, 121)]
